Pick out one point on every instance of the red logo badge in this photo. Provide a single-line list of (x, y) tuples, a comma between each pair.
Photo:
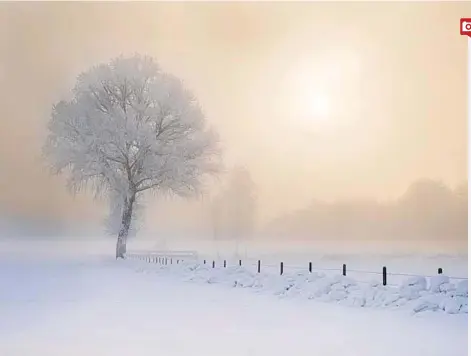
[(465, 27)]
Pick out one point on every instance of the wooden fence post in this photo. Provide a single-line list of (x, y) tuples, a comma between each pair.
[(281, 268), (385, 280), (440, 270), (344, 269), (258, 267)]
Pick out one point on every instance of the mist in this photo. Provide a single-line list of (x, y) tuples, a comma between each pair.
[(387, 163)]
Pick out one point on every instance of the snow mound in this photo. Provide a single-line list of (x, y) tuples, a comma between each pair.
[(416, 294)]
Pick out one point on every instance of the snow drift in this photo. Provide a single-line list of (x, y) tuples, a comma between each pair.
[(416, 294)]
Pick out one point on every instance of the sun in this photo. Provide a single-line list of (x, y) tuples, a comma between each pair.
[(318, 107), (314, 107), (309, 96), (317, 88)]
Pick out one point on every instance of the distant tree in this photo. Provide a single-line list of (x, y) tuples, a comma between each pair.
[(427, 210), (461, 210), (426, 193), (234, 209), (242, 199), (461, 191), (130, 128)]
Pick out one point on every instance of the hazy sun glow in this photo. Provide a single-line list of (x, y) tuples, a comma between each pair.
[(319, 88), (318, 107)]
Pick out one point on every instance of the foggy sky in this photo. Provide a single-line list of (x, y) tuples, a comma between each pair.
[(399, 99)]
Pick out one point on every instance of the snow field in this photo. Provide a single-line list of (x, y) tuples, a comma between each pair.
[(94, 305)]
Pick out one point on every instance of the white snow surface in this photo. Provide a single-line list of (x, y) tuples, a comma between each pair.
[(415, 294), (95, 305)]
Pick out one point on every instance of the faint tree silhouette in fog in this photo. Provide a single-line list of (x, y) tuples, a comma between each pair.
[(427, 210), (234, 209)]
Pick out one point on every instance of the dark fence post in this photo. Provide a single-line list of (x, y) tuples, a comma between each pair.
[(440, 270), (240, 262), (310, 267), (171, 261), (281, 268), (224, 263), (385, 280), (344, 269), (204, 262), (214, 264), (258, 267), (178, 261)]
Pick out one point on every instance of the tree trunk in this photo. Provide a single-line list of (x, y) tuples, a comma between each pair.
[(125, 225)]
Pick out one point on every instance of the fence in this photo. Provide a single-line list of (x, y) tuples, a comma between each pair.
[(181, 254), (177, 257)]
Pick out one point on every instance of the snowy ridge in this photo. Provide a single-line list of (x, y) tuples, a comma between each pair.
[(415, 294)]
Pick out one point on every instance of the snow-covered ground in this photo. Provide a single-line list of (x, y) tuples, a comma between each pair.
[(416, 294), (87, 304)]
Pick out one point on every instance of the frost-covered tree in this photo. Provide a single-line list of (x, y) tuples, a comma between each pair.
[(130, 128)]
